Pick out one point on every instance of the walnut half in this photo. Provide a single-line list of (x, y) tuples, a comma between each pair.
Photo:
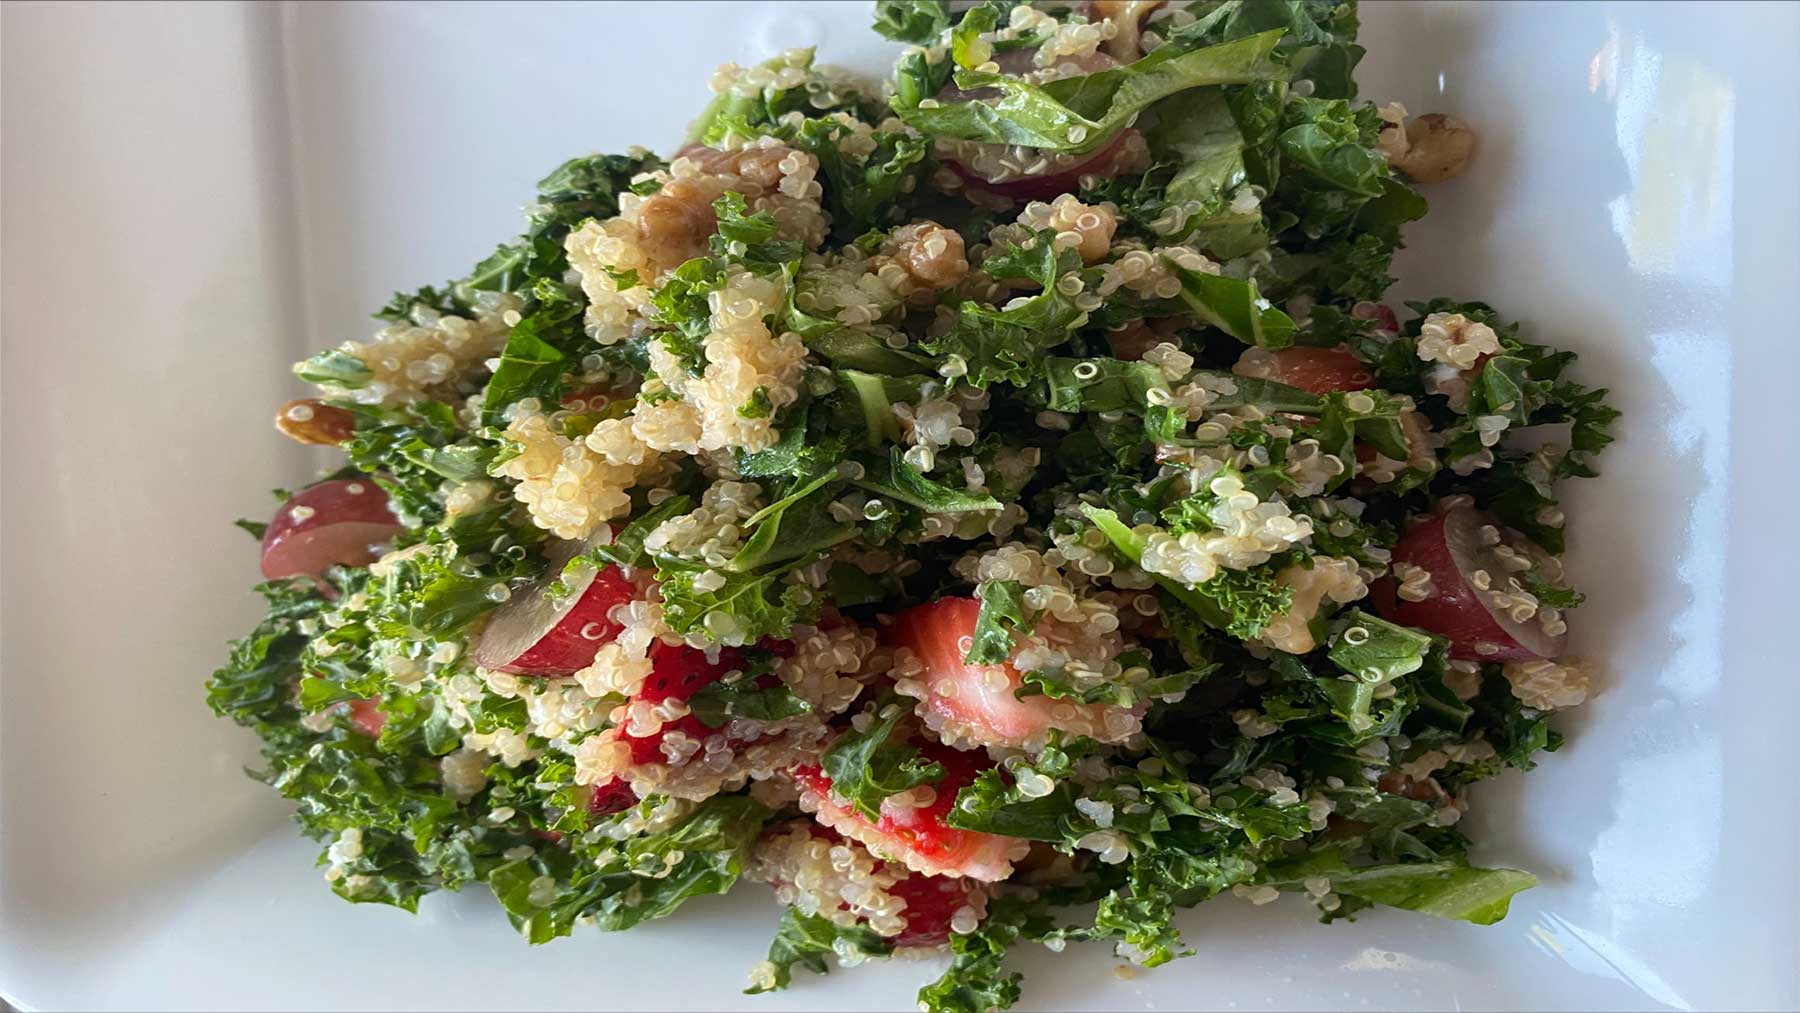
[(310, 420), (1429, 148)]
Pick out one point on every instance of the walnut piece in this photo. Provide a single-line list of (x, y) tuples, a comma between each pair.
[(312, 421), (1430, 148)]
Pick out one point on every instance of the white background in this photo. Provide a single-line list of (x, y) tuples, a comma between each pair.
[(195, 196)]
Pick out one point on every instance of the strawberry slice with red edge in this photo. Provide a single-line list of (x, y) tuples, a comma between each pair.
[(979, 704), (921, 837), (930, 903), (677, 672)]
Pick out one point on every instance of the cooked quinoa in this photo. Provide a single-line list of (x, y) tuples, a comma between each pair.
[(991, 508)]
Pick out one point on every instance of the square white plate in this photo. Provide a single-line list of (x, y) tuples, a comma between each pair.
[(195, 196)]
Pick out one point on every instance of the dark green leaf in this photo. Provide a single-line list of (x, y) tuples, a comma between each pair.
[(1002, 617), (894, 478), (916, 21), (1082, 113), (814, 942), (865, 767)]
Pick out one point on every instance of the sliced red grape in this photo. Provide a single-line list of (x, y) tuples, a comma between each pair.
[(1451, 547), (1383, 316), (1116, 156), (536, 633), (340, 522)]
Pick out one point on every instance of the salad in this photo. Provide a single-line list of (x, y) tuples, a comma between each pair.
[(993, 508)]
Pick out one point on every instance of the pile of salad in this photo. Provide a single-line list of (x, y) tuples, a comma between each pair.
[(991, 508)]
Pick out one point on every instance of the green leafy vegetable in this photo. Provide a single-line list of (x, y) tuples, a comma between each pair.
[(335, 368), (745, 608), (1002, 617), (722, 701), (1375, 650), (866, 766), (1082, 113), (918, 21), (1235, 307), (812, 941), (894, 478)]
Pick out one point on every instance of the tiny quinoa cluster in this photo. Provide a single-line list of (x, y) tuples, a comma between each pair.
[(996, 507)]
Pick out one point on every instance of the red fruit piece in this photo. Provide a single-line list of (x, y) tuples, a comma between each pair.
[(919, 837), (977, 703), (1379, 312), (366, 717), (1320, 370), (1122, 153), (536, 633), (931, 904), (677, 672), (341, 522), (612, 797), (1451, 547)]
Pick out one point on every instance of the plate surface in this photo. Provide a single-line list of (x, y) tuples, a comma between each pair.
[(194, 196)]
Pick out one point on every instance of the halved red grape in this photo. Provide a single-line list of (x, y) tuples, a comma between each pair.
[(1451, 546), (1118, 155), (1384, 317), (536, 633)]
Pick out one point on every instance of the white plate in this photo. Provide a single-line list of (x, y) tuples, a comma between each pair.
[(196, 195)]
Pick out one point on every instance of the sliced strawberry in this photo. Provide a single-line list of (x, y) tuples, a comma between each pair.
[(366, 717), (919, 837), (931, 904), (677, 672), (341, 522), (537, 633), (978, 703)]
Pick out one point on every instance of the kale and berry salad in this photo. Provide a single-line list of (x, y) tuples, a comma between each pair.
[(991, 508)]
